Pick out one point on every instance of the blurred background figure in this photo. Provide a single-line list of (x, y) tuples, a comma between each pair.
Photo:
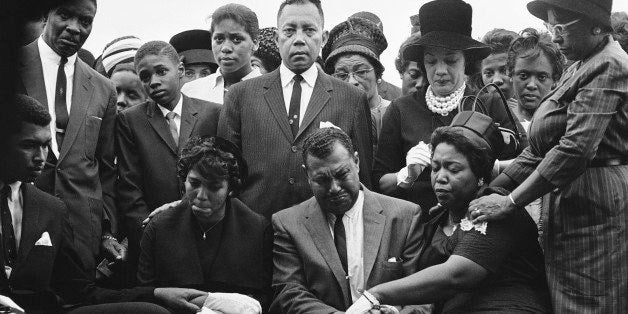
[(117, 62), (195, 49), (619, 22), (119, 51), (266, 58), (412, 78), (387, 90)]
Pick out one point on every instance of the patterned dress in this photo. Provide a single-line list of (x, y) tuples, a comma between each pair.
[(579, 125)]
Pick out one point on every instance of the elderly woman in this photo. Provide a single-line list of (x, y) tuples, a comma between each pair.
[(352, 54), (210, 241), (495, 267), (445, 52), (578, 159), (234, 30)]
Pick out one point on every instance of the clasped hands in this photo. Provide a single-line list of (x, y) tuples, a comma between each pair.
[(417, 159), (192, 300), (364, 305)]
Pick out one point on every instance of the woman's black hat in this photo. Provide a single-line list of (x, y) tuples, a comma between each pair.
[(597, 10)]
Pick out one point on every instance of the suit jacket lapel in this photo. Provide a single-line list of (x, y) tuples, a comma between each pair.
[(32, 73), (273, 95), (30, 224), (320, 97), (318, 227), (82, 92), (189, 114), (374, 223), (158, 122)]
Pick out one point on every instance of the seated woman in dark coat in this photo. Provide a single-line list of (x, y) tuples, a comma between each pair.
[(210, 241), (494, 267)]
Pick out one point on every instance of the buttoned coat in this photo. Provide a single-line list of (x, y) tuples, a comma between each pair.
[(254, 117)]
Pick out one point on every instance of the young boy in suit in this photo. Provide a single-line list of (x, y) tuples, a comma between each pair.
[(149, 138)]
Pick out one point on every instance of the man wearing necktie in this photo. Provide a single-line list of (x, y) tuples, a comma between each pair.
[(80, 164), (335, 245), (269, 116)]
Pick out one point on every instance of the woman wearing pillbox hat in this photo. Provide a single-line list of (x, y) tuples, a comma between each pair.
[(266, 58), (446, 54), (352, 54), (578, 162)]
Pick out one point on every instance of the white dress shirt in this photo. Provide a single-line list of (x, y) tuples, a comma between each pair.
[(307, 87), (212, 87), (16, 207), (177, 113), (50, 65), (353, 221)]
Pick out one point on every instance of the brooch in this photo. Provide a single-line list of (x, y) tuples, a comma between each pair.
[(466, 225)]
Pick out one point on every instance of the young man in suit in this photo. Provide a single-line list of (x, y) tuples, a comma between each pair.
[(150, 136), (269, 116), (345, 239), (41, 270), (80, 165)]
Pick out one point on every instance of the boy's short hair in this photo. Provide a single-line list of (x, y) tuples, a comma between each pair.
[(19, 110), (156, 48), (240, 14)]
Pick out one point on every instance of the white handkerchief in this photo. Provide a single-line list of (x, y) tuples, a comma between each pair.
[(394, 260), (44, 240), (327, 124)]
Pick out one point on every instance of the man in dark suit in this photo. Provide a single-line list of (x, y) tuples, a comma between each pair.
[(345, 239), (82, 103), (150, 136), (41, 270), (268, 116)]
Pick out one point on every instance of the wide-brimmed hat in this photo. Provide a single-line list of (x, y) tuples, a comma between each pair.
[(597, 10), (446, 24), (195, 46), (355, 36)]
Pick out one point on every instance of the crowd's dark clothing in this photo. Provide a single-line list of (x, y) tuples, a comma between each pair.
[(254, 117), (235, 256), (509, 251), (388, 91), (83, 175), (407, 122), (43, 273), (579, 126), (147, 161)]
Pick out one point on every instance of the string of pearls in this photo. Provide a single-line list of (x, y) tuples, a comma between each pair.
[(444, 105)]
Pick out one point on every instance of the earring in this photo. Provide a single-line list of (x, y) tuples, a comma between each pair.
[(379, 81), (481, 182)]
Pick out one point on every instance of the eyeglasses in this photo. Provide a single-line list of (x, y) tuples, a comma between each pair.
[(559, 29), (361, 74)]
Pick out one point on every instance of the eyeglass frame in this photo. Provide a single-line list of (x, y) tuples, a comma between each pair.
[(354, 73), (559, 29)]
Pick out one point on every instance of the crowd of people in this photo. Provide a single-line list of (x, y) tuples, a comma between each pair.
[(243, 169)]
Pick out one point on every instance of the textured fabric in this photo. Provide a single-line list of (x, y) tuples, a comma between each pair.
[(585, 219), (307, 87), (172, 125), (295, 105), (61, 109), (254, 118), (340, 241)]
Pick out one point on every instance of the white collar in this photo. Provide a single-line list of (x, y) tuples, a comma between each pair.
[(218, 78), (309, 76), (45, 52), (15, 188), (177, 108)]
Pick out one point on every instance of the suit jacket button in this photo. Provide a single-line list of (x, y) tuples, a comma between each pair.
[(294, 149), (291, 180), (59, 170)]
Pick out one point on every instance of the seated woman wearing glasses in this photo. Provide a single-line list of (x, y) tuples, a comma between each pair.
[(490, 268), (446, 55), (211, 240)]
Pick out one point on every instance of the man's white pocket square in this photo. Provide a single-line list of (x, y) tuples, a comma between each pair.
[(327, 124), (44, 240)]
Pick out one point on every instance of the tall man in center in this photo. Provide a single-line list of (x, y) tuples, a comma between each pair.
[(269, 116)]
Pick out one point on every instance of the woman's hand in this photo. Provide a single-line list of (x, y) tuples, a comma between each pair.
[(490, 208), (159, 210)]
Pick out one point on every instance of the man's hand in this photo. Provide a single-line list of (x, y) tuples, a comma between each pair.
[(158, 210), (179, 299), (113, 248)]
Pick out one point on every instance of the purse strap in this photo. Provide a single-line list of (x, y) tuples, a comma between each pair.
[(505, 103)]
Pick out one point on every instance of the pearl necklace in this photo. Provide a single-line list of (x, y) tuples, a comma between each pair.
[(444, 105)]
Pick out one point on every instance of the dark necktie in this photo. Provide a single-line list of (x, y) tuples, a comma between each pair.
[(61, 108), (340, 240), (295, 105), (8, 236)]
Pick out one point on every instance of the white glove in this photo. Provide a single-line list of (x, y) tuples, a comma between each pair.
[(418, 158), (361, 306), (232, 303)]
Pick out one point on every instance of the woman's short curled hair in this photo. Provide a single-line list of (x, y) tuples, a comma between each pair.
[(530, 45), (499, 40), (240, 14), (481, 159), (214, 159)]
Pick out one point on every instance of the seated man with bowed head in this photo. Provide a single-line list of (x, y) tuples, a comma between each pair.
[(42, 268), (345, 239)]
